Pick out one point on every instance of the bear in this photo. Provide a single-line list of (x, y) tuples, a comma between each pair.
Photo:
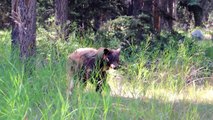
[(87, 63)]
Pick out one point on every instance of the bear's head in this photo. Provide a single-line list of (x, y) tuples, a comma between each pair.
[(110, 57)]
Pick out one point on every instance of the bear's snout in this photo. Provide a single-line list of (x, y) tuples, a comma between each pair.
[(114, 66)]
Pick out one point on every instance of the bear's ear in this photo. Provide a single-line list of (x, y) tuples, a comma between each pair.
[(106, 51)]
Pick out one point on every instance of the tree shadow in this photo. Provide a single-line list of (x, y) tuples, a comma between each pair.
[(154, 108)]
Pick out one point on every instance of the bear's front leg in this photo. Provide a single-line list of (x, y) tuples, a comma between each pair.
[(101, 82)]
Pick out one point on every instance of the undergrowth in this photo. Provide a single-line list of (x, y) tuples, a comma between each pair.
[(152, 84)]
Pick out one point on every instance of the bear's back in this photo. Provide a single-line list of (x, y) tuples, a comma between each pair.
[(82, 55)]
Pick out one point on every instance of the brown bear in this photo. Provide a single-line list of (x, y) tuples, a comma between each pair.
[(90, 63)]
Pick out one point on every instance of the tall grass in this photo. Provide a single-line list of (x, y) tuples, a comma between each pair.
[(149, 85)]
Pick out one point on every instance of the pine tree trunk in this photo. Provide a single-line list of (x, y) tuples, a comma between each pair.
[(198, 16), (156, 15), (24, 31), (27, 28), (170, 11), (61, 16), (129, 4), (137, 6), (147, 6)]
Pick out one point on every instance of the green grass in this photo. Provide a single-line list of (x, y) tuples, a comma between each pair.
[(158, 91)]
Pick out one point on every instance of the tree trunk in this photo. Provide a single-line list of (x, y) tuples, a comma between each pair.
[(137, 6), (163, 12), (27, 28), (170, 12), (147, 6), (156, 15), (129, 4), (198, 15), (61, 16), (97, 22), (24, 31), (100, 19), (197, 10), (167, 14)]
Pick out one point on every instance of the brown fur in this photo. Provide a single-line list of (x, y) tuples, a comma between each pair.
[(84, 61)]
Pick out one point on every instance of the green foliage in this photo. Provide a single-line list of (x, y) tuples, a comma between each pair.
[(209, 52), (5, 9), (126, 29), (45, 10), (86, 10), (193, 2)]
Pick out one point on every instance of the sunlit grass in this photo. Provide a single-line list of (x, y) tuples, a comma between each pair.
[(155, 91)]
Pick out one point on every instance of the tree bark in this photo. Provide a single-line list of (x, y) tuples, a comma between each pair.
[(198, 15), (137, 6), (164, 14), (61, 16), (27, 28), (170, 12), (147, 6), (24, 31), (156, 15), (129, 4)]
